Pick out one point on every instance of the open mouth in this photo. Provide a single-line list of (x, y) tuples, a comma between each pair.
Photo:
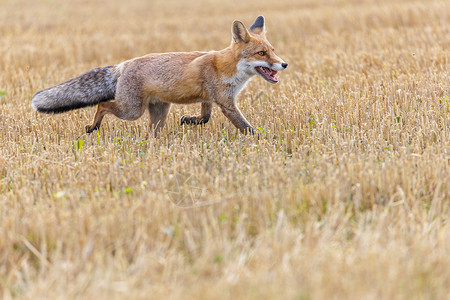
[(268, 74)]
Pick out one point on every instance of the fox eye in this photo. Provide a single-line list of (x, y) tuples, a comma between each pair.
[(262, 53)]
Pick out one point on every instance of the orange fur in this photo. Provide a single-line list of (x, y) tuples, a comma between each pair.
[(155, 81)]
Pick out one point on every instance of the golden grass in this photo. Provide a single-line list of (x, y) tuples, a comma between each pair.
[(345, 195)]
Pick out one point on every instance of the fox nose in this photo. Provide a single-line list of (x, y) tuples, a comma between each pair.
[(284, 65)]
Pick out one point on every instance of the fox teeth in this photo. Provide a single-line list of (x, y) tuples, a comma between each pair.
[(268, 73)]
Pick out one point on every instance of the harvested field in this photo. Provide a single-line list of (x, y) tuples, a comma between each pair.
[(345, 195)]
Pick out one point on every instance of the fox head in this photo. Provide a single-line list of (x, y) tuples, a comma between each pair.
[(257, 55)]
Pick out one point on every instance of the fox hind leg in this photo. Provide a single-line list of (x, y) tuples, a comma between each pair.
[(197, 120), (103, 109), (121, 109), (128, 103), (158, 115)]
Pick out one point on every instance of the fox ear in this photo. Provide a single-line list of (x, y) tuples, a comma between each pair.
[(258, 26), (240, 33)]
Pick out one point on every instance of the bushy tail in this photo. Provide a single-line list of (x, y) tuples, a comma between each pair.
[(88, 89)]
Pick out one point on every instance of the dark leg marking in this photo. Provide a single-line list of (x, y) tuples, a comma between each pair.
[(197, 120)]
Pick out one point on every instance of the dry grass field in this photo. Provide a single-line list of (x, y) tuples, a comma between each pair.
[(345, 195)]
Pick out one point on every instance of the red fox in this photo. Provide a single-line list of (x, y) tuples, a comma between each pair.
[(156, 81)]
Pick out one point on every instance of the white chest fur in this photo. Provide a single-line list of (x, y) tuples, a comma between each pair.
[(238, 81)]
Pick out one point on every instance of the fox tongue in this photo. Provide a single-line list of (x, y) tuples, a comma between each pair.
[(269, 73)]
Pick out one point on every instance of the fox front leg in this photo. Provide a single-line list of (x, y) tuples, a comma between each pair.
[(232, 112), (197, 120)]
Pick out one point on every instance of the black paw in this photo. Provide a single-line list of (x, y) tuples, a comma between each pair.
[(90, 129), (194, 120), (251, 131), (187, 120)]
